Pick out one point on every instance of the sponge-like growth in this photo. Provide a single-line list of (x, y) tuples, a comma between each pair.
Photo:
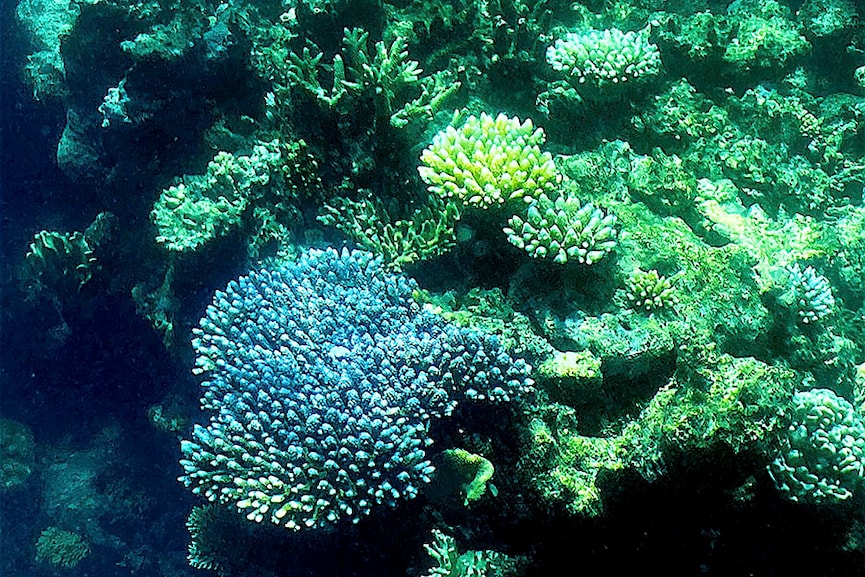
[(204, 207), (823, 455), (488, 162), (323, 377), (563, 230), (604, 60)]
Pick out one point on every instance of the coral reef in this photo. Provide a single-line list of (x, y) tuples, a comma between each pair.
[(640, 220)]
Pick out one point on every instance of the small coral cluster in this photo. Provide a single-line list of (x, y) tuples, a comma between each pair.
[(600, 59), (650, 291), (59, 548), (488, 162), (563, 230), (811, 294), (323, 377), (823, 454), (204, 207)]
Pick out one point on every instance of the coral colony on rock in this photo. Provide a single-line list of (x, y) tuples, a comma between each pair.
[(424, 288)]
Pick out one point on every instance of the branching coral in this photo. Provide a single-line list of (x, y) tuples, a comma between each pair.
[(204, 207), (810, 294), (488, 162), (60, 548), (385, 75), (601, 63), (563, 230), (323, 377), (60, 263), (373, 224), (449, 562), (650, 291)]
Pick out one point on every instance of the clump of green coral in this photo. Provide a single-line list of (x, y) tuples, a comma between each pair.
[(60, 548), (810, 294), (17, 455), (488, 162), (449, 562), (491, 312), (460, 472), (427, 232), (581, 366), (711, 400), (56, 260), (812, 161), (663, 182), (563, 466), (650, 291), (822, 456), (563, 230), (256, 187), (207, 206), (751, 35), (681, 114), (766, 35), (60, 263), (570, 377), (770, 244), (604, 62)]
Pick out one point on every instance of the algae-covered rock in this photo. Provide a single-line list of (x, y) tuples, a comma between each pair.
[(16, 453), (712, 402)]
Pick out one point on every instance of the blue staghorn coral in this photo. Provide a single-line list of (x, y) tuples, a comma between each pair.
[(323, 377)]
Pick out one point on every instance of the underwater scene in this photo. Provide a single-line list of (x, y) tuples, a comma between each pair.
[(416, 288)]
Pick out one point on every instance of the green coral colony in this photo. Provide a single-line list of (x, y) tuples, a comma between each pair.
[(634, 234)]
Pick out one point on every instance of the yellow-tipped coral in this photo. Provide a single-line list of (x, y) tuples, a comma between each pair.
[(488, 162)]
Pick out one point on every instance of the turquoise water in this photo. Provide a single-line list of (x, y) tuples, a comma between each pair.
[(472, 288)]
